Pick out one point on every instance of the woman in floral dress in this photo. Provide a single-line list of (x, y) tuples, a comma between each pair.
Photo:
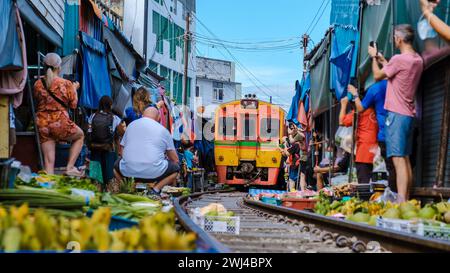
[(54, 96)]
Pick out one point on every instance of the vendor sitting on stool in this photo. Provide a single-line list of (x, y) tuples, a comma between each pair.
[(149, 154), (341, 165)]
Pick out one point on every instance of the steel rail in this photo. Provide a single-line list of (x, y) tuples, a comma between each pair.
[(391, 240), (204, 241)]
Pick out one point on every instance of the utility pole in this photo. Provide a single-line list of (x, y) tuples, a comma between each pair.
[(305, 42), (187, 38)]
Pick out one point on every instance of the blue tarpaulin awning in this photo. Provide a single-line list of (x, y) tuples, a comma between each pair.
[(293, 111), (10, 51), (341, 70), (96, 82)]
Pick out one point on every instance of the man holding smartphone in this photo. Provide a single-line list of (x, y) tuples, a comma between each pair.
[(403, 73)]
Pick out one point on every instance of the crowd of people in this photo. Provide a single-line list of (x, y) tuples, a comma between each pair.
[(139, 146), (385, 117)]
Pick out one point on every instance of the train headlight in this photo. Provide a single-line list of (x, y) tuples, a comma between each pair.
[(274, 160), (221, 158)]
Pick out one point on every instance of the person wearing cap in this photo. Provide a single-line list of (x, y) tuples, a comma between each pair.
[(54, 96)]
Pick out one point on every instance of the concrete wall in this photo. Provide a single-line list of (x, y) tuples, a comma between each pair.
[(231, 92), (53, 12), (215, 69)]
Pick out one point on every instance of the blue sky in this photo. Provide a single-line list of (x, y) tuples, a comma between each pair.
[(249, 21)]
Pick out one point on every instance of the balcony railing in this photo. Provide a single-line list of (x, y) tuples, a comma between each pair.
[(114, 16)]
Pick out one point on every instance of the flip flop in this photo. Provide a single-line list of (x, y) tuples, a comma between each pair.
[(75, 173)]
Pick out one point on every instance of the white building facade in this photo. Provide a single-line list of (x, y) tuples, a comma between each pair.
[(216, 84), (156, 28)]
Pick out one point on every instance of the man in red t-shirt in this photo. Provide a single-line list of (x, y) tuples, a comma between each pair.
[(366, 139)]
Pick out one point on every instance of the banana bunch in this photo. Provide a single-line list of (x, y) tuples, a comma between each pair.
[(38, 231), (375, 208)]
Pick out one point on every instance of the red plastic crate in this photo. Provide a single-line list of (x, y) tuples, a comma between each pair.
[(299, 204)]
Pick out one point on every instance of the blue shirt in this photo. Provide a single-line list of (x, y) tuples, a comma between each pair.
[(375, 97), (188, 156), (131, 116)]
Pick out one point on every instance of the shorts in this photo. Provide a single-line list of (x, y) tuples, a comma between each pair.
[(55, 125), (12, 137), (171, 169), (399, 135), (293, 174)]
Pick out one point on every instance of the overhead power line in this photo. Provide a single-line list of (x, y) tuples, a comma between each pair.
[(254, 79)]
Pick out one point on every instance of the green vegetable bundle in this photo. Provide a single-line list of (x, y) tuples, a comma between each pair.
[(40, 198)]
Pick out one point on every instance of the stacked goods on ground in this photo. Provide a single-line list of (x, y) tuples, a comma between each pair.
[(60, 183), (129, 206), (24, 230), (216, 209), (367, 212)]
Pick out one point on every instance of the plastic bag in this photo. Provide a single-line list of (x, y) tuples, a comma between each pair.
[(388, 196), (343, 134), (379, 165), (25, 174)]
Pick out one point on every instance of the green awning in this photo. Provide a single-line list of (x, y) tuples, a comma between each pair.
[(320, 77)]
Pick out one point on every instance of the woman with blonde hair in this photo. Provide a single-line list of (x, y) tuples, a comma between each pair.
[(141, 99), (54, 97)]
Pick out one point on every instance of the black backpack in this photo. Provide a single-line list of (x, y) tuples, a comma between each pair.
[(102, 129)]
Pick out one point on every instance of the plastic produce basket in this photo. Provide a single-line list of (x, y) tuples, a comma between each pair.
[(117, 223), (407, 226), (219, 224), (271, 201), (299, 204), (436, 232), (5, 169)]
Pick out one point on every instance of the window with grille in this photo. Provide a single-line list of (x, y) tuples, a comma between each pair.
[(218, 93)]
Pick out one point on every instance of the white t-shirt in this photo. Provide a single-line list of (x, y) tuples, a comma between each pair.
[(145, 143)]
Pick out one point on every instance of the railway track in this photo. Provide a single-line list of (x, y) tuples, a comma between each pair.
[(268, 229)]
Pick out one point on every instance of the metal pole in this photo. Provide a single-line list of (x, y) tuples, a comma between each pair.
[(305, 43), (355, 116), (186, 58)]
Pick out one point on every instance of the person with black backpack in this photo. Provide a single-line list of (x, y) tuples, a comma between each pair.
[(103, 137)]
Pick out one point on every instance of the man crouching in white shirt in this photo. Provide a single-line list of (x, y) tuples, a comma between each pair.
[(149, 153)]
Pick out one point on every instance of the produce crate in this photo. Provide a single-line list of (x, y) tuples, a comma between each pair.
[(271, 201), (407, 226), (5, 169), (219, 224), (117, 222), (434, 232), (298, 203), (254, 192)]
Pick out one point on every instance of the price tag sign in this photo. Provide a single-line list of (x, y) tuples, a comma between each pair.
[(219, 226)]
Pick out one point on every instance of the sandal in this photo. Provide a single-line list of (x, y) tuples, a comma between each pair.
[(75, 173)]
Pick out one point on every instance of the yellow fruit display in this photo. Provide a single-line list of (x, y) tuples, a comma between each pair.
[(21, 230)]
